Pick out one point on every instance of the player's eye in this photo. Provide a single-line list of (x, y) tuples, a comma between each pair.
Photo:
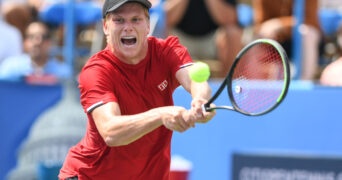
[(136, 20), (118, 20)]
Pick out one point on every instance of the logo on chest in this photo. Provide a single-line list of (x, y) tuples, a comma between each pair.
[(163, 85)]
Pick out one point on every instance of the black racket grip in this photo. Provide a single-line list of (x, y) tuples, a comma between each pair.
[(206, 107)]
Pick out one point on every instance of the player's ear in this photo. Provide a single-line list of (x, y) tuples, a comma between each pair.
[(105, 27), (148, 27)]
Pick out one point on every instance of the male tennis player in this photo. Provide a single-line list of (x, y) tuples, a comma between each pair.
[(126, 91)]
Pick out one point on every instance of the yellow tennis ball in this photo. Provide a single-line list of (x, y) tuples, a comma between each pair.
[(199, 72)]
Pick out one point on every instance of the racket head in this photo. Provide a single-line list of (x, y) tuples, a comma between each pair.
[(259, 78)]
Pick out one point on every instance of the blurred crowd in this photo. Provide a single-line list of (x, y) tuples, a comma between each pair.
[(32, 40), (213, 31)]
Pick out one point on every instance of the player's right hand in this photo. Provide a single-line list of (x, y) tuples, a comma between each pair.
[(178, 118)]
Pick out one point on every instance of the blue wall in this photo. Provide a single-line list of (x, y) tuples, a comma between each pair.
[(308, 122), (20, 105)]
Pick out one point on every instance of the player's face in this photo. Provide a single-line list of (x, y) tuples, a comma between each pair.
[(126, 30)]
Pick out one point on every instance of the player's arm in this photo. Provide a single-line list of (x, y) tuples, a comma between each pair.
[(200, 93), (197, 90), (117, 129)]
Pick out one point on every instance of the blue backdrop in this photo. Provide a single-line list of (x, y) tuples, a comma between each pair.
[(308, 122), (20, 105)]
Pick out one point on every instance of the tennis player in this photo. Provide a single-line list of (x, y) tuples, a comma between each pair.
[(126, 91)]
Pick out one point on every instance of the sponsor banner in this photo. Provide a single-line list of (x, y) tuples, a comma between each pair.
[(274, 167)]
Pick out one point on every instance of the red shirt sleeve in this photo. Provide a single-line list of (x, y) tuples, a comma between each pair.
[(176, 53), (95, 85)]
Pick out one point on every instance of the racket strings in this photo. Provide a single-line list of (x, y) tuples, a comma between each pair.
[(258, 79)]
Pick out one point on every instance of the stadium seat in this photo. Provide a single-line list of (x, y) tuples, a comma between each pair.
[(245, 14), (85, 13), (330, 20)]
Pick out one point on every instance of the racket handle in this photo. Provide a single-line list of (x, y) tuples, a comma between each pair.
[(205, 108)]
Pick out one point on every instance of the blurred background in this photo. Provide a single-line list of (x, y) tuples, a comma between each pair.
[(41, 117)]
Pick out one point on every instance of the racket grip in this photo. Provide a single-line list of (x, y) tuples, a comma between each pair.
[(206, 108)]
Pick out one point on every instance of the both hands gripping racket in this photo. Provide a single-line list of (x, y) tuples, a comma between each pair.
[(258, 80)]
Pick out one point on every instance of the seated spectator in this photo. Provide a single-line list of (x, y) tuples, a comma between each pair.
[(209, 29), (276, 20), (332, 74), (18, 15), (36, 61), (10, 39)]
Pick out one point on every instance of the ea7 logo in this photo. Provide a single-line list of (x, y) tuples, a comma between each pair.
[(162, 86)]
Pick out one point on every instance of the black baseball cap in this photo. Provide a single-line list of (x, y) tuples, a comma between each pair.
[(111, 5)]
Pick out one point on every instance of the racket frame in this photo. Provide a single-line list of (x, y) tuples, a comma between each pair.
[(227, 82)]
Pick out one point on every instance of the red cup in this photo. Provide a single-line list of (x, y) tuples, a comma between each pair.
[(179, 175), (180, 168)]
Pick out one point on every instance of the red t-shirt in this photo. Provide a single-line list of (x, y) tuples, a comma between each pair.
[(136, 88)]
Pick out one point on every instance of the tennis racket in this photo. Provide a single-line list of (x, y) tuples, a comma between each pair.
[(258, 80)]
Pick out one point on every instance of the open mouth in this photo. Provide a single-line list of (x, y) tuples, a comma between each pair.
[(128, 40)]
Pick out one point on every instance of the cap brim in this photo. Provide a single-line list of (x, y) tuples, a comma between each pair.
[(148, 6), (116, 6)]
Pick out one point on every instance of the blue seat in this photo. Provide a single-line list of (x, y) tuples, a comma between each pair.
[(245, 14), (85, 13), (330, 20), (82, 14)]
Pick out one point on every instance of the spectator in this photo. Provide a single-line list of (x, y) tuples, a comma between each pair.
[(275, 20), (332, 74), (11, 40), (208, 28), (19, 15), (35, 62)]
